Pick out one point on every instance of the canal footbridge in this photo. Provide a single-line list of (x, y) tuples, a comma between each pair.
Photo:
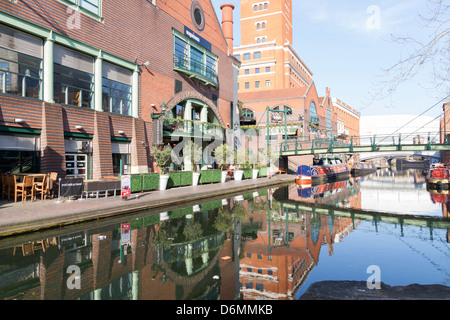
[(386, 144)]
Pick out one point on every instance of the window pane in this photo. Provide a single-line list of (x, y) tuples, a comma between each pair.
[(181, 53), (196, 60), (116, 97), (19, 73), (73, 87), (91, 5)]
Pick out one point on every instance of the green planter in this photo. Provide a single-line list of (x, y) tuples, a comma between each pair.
[(205, 176), (210, 176), (136, 183), (216, 176), (247, 173), (174, 179), (185, 178), (263, 172), (150, 181)]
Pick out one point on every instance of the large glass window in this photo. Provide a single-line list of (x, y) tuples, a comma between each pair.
[(20, 63), (313, 117), (194, 60), (181, 54), (73, 77), (116, 89)]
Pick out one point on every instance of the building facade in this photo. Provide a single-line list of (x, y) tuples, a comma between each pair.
[(88, 87), (273, 75)]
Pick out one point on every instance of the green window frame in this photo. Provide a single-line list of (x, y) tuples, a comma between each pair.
[(92, 8)]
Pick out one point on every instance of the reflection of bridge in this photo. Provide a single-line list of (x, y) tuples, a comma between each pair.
[(415, 220), (358, 144)]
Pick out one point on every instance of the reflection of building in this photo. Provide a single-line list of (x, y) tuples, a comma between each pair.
[(278, 257), (85, 86), (274, 75)]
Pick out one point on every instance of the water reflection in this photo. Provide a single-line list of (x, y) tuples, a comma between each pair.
[(262, 245)]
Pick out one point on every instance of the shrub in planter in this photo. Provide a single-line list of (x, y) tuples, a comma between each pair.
[(263, 172), (136, 183), (174, 179), (248, 173), (216, 175), (150, 181), (186, 178), (162, 156), (205, 176)]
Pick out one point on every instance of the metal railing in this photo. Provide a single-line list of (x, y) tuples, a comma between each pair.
[(185, 63), (397, 142)]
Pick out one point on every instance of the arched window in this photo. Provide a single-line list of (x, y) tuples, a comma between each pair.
[(289, 110), (313, 117), (248, 113), (247, 116)]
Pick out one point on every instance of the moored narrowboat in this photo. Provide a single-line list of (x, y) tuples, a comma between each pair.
[(438, 177), (313, 175)]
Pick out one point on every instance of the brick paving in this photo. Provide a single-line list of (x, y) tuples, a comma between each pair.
[(31, 216)]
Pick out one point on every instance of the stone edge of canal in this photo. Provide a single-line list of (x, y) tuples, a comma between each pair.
[(58, 221)]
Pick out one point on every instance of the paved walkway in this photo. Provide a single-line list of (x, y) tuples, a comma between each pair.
[(41, 214)]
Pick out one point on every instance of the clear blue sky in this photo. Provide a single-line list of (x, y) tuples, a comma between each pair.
[(347, 44)]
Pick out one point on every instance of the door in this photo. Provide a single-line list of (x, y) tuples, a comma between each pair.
[(76, 165)]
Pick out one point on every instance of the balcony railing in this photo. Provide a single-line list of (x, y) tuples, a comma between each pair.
[(195, 69), (180, 127)]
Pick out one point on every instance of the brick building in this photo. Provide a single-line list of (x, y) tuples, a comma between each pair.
[(274, 75), (87, 86)]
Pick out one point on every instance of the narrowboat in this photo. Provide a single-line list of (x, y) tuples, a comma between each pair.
[(438, 177), (313, 175), (360, 169)]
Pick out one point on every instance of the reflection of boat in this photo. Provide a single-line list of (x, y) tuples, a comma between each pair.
[(361, 169), (319, 191), (313, 175), (438, 177), (402, 163), (440, 196)]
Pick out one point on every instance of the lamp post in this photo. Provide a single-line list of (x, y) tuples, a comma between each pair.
[(159, 114)]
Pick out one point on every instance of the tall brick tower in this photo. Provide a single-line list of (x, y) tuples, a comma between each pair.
[(268, 58)]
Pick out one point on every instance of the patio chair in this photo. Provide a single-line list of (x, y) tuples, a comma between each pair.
[(24, 189), (42, 188), (9, 181), (52, 183)]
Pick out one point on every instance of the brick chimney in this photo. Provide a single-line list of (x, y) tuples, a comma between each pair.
[(227, 24)]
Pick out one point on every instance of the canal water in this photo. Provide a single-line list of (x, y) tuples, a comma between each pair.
[(270, 244)]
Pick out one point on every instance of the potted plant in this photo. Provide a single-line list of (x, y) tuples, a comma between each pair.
[(253, 159), (162, 156), (192, 153), (223, 155), (239, 161)]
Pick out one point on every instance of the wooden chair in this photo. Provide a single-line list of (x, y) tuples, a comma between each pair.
[(27, 249), (24, 189), (52, 182), (41, 187), (9, 182)]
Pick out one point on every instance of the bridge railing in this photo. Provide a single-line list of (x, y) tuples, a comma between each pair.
[(313, 143)]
